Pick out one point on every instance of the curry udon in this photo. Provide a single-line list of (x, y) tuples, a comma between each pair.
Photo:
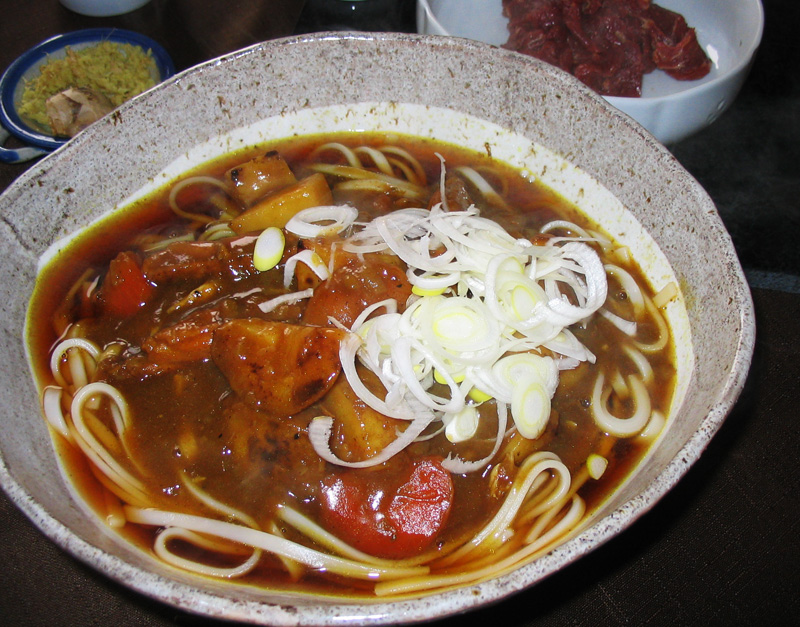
[(354, 364)]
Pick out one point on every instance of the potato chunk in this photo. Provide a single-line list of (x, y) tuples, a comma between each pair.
[(277, 367), (278, 208)]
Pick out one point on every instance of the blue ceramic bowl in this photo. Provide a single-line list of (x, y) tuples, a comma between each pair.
[(27, 66)]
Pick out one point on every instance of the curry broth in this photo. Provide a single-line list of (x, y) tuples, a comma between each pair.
[(189, 421)]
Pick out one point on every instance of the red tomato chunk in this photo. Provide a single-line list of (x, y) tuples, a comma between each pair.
[(391, 519), (125, 288)]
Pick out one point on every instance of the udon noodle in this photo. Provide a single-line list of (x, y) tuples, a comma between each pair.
[(363, 364)]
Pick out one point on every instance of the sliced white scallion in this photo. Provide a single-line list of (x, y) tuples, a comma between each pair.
[(626, 326), (321, 429), (566, 344), (457, 376), (285, 299), (478, 395), (310, 259), (518, 368), (460, 324), (322, 221), (484, 303), (596, 465), (456, 465), (462, 425), (427, 291), (268, 249), (431, 283), (530, 409)]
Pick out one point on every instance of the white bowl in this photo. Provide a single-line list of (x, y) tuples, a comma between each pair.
[(102, 8), (728, 30), (578, 143)]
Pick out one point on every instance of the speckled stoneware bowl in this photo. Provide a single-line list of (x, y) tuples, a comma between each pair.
[(468, 93)]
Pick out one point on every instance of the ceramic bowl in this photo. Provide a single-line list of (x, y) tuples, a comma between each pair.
[(580, 145), (26, 67), (101, 8), (729, 31)]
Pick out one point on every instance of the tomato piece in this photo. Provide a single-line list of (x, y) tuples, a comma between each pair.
[(125, 288), (386, 517)]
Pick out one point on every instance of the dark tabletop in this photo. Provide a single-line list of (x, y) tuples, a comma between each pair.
[(723, 548)]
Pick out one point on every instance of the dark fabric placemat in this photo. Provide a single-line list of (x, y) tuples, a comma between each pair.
[(721, 549)]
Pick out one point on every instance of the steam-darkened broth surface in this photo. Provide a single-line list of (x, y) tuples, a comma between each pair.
[(209, 371)]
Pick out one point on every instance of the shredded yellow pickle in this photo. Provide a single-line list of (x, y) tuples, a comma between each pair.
[(116, 70)]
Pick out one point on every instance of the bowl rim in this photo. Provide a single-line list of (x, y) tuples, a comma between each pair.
[(330, 611), (11, 120), (749, 47)]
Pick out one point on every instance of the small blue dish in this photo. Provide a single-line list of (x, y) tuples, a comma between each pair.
[(27, 66)]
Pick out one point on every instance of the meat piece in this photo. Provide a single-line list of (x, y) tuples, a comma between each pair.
[(278, 367), (360, 432), (271, 447), (354, 286), (608, 45), (197, 261), (183, 260), (262, 175), (169, 349), (187, 341), (675, 47), (75, 108), (456, 192), (137, 367)]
